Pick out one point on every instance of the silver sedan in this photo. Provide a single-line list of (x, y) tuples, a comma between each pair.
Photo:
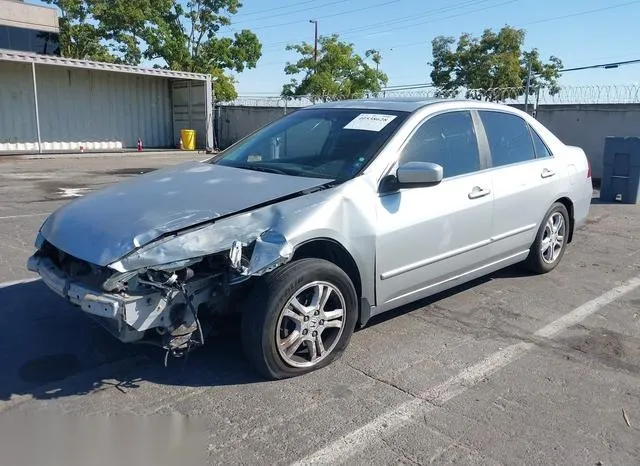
[(316, 222)]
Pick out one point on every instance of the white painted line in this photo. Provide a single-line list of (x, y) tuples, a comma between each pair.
[(72, 192), (474, 374), (356, 441), (584, 311), (23, 216), (19, 282)]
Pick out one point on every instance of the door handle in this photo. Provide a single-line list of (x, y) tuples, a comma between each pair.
[(478, 192), (546, 173)]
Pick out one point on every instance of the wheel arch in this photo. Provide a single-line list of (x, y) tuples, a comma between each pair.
[(568, 203), (334, 252)]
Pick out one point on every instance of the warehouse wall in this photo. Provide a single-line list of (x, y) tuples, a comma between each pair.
[(17, 115), (84, 106)]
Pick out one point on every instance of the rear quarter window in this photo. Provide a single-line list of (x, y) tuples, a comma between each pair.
[(541, 148)]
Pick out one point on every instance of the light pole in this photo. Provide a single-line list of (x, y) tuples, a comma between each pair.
[(315, 40)]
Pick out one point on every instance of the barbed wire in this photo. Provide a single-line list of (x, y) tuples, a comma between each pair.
[(269, 101), (593, 94)]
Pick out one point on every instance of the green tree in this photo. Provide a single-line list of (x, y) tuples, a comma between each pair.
[(78, 37), (493, 67), (176, 34), (339, 72)]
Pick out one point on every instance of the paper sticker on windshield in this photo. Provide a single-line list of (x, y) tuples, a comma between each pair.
[(370, 122)]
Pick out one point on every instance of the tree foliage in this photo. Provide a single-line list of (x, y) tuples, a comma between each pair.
[(339, 72), (78, 37), (494, 66), (175, 34)]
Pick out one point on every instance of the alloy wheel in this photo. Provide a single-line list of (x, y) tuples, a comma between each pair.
[(310, 324), (553, 238)]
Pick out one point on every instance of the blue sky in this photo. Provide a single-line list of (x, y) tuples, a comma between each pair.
[(403, 30)]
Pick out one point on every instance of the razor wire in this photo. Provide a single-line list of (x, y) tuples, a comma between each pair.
[(591, 94)]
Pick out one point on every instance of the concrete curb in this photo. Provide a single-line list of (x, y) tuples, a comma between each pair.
[(88, 155)]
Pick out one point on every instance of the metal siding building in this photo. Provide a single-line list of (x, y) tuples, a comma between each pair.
[(97, 106)]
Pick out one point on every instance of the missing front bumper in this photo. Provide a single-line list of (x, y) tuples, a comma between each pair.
[(128, 317)]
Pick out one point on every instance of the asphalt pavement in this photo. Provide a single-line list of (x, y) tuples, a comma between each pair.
[(509, 369)]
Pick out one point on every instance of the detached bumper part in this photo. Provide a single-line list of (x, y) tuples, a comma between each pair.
[(126, 317), (90, 301)]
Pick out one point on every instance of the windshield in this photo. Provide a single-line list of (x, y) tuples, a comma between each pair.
[(328, 143)]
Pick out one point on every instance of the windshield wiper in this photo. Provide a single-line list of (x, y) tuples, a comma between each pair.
[(262, 168)]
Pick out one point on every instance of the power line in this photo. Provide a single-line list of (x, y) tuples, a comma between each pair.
[(579, 68), (540, 21), (545, 20), (453, 16), (580, 13), (290, 13), (242, 15), (604, 65), (465, 4), (357, 10), (457, 15), (408, 87), (438, 19), (431, 12)]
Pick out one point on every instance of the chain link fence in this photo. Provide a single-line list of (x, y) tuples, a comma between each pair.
[(594, 94)]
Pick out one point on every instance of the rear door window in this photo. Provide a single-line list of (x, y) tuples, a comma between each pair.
[(509, 138), (448, 139)]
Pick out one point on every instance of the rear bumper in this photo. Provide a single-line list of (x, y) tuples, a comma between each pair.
[(582, 204)]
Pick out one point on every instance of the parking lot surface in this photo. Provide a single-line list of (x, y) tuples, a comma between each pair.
[(509, 369)]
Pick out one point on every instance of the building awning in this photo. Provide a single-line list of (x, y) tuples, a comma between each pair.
[(24, 57)]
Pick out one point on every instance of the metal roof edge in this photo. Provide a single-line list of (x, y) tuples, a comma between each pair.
[(26, 57)]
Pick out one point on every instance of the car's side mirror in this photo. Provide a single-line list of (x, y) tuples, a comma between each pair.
[(419, 174), (412, 175)]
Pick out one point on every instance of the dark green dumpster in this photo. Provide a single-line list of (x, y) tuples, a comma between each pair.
[(621, 174)]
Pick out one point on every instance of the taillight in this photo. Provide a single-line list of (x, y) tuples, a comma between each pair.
[(588, 169)]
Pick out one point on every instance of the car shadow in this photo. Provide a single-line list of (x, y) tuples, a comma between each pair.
[(509, 272), (49, 349)]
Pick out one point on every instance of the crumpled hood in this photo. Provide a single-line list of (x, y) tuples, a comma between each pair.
[(104, 226)]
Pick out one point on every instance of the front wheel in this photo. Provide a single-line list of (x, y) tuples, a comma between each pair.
[(551, 241), (299, 318)]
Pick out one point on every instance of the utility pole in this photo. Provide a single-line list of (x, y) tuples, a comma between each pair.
[(526, 92), (315, 40)]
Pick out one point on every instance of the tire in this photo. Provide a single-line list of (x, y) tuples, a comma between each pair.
[(539, 261), (270, 321)]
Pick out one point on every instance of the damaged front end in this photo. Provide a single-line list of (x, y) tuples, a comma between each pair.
[(173, 305)]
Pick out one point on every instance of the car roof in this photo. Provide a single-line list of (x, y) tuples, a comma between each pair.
[(401, 104), (409, 104)]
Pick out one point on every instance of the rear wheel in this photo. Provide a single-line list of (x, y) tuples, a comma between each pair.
[(299, 318), (551, 241)]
